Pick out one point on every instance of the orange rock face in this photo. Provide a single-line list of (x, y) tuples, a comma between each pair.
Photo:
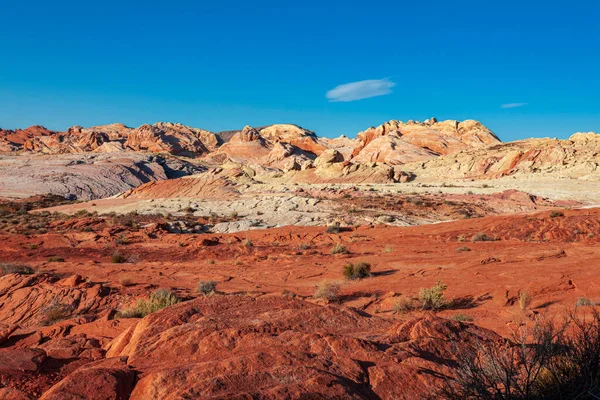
[(421, 140)]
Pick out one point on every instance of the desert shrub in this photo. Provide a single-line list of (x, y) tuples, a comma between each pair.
[(524, 300), (463, 248), (433, 298), (462, 318), (304, 246), (55, 312), (118, 258), (327, 290), (21, 269), (556, 214), (549, 360), (339, 249), (333, 228), (157, 301), (482, 237), (56, 259), (584, 302), (357, 271), (207, 287), (462, 238), (126, 281), (247, 243), (402, 305), (387, 249)]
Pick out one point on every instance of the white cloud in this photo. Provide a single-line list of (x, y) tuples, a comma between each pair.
[(360, 90), (513, 105)]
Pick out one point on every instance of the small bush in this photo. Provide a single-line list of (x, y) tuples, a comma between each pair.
[(21, 269), (357, 271), (333, 228), (584, 302), (482, 237), (207, 287), (524, 300), (387, 249), (327, 290), (247, 243), (556, 214), (126, 281), (403, 305), (546, 361), (433, 298), (56, 312), (339, 249), (56, 259), (463, 248), (304, 246), (462, 318), (157, 301), (118, 258)]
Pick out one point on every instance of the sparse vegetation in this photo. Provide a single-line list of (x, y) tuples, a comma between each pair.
[(357, 271), (21, 269), (387, 249), (126, 281), (524, 300), (585, 302), (327, 290), (339, 249), (56, 312), (247, 243), (403, 304), (482, 237), (433, 298), (56, 259), (556, 214), (548, 360), (157, 301), (118, 258), (463, 248), (207, 287), (333, 228), (462, 318)]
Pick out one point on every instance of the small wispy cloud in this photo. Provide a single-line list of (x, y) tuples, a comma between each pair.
[(513, 105), (360, 90)]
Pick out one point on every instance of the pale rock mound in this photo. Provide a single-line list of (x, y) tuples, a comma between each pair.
[(432, 137), (578, 158)]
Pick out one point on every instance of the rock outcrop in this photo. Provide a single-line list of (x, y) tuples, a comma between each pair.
[(420, 140), (575, 158)]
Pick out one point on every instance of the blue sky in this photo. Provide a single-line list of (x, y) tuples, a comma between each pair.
[(222, 65)]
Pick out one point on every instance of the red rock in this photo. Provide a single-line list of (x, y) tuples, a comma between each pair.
[(108, 379), (23, 360)]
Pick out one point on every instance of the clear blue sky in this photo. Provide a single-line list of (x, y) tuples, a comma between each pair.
[(223, 64)]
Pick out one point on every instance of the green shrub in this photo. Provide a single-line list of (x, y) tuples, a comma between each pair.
[(339, 249), (556, 214), (357, 271), (462, 318), (207, 287), (433, 298), (463, 248), (56, 259), (157, 301)]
